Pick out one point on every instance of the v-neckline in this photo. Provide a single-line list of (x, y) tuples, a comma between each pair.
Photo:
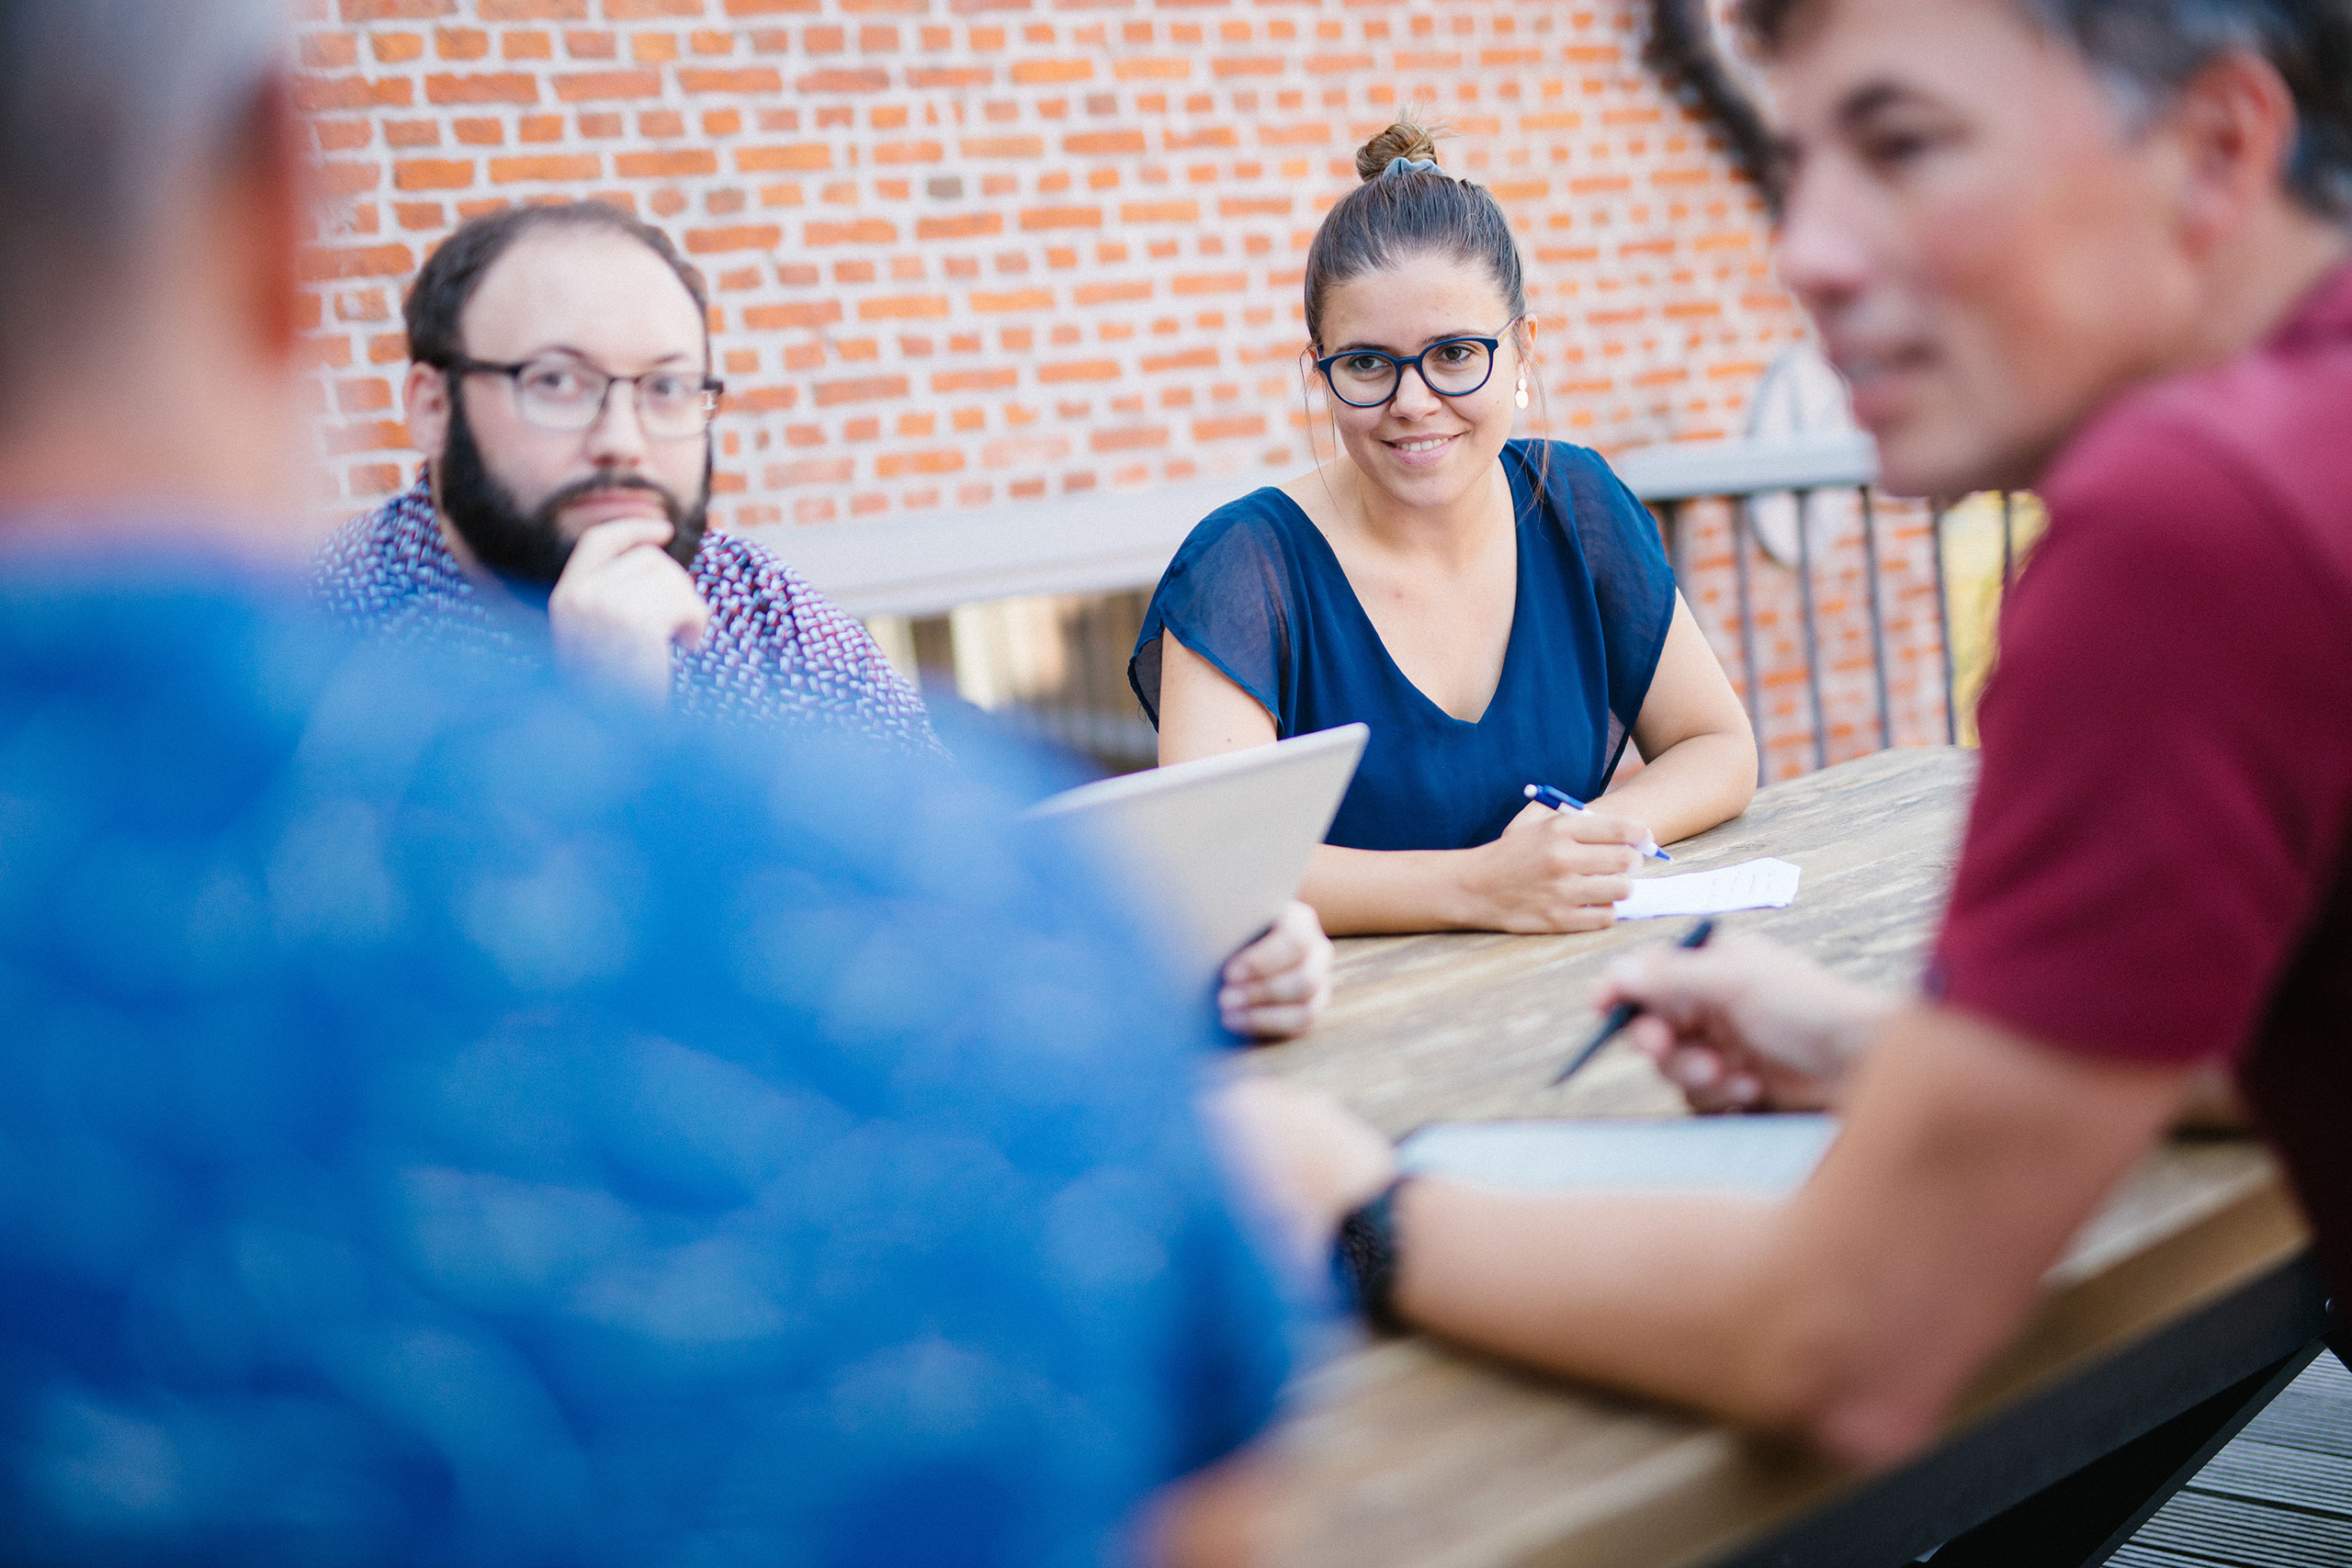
[(1364, 616)]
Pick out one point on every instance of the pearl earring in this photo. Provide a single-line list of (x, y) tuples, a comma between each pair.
[(1519, 397)]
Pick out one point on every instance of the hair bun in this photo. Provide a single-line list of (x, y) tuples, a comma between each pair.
[(1405, 139)]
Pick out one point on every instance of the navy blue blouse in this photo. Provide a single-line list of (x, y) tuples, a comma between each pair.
[(1257, 591)]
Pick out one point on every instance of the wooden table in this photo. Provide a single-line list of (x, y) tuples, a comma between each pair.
[(2194, 1282)]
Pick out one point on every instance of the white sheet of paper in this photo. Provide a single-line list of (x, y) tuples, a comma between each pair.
[(1765, 884), (1764, 1156)]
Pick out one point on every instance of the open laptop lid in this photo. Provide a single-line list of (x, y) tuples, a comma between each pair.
[(1212, 848)]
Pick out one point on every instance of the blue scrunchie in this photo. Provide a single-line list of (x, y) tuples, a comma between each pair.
[(1410, 165)]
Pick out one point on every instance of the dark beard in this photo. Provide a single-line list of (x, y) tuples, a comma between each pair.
[(529, 547)]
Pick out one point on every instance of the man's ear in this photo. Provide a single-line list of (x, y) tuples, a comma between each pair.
[(425, 395), (2235, 122)]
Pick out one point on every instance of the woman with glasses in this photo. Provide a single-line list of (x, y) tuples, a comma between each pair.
[(1499, 612)]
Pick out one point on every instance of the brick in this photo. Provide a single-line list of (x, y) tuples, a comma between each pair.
[(592, 87), (1039, 72), (495, 87), (1086, 370), (1093, 144), (649, 10), (1160, 212), (857, 232), (975, 380), (776, 318), (755, 80), (348, 180), (798, 155), (533, 10), (546, 167), (1210, 283), (1203, 358), (682, 164), (394, 10), (1128, 440), (1002, 146), (902, 307), (939, 460), (1036, 218), (871, 80), (329, 51), (865, 389), (315, 94), (319, 263), (1017, 299), (1232, 428), (742, 237), (969, 226), (433, 173), (812, 471)]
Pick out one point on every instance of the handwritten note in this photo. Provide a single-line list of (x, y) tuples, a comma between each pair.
[(1751, 885)]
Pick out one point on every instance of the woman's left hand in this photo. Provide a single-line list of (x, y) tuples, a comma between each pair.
[(1278, 986)]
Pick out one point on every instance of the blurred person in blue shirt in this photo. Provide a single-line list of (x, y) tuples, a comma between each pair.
[(446, 1121)]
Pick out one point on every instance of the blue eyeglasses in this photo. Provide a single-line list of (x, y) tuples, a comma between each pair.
[(1452, 367)]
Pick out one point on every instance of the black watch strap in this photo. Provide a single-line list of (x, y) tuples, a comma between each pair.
[(1363, 1259)]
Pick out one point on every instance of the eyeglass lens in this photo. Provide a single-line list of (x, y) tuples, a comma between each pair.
[(558, 394), (1452, 369)]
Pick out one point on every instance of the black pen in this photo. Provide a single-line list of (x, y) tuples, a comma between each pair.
[(1623, 1014)]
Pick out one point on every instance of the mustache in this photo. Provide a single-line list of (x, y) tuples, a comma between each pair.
[(606, 484)]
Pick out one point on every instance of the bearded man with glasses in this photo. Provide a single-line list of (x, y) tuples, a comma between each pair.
[(559, 387)]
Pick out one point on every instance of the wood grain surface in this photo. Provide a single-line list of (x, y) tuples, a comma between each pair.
[(1410, 1452)]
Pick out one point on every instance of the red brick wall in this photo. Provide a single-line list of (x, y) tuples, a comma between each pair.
[(965, 252)]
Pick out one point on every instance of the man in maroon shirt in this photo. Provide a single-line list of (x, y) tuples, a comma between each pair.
[(2098, 247)]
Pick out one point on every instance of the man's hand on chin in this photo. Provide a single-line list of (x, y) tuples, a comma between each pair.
[(621, 605)]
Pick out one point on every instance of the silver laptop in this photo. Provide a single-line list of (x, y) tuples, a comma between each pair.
[(1211, 850)]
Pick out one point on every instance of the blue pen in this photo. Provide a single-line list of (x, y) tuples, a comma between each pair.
[(1561, 800)]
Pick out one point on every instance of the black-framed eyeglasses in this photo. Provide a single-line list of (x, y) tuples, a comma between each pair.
[(555, 391), (1452, 367)]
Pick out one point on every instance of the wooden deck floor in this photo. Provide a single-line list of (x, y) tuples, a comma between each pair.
[(2279, 1496)]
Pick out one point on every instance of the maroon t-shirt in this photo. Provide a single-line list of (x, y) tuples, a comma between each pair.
[(2159, 861)]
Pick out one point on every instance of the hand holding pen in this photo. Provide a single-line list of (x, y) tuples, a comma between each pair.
[(1624, 1013), (1561, 800)]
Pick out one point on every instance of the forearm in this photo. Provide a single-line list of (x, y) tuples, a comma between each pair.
[(1668, 1297), (1689, 787), (1374, 892)]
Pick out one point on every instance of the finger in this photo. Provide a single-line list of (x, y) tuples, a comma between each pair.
[(607, 542), (1286, 986), (695, 621), (1533, 816), (1276, 951), (1680, 983), (1695, 1067), (1271, 1023), (1646, 1034), (1601, 828)]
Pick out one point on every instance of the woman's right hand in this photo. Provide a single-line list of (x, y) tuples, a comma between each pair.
[(1552, 871)]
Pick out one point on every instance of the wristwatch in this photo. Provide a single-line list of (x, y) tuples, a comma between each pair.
[(1363, 1259)]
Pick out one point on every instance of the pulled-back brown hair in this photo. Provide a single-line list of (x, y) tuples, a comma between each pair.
[(1411, 212)]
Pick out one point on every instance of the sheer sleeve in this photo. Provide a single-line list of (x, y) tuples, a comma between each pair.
[(1229, 596), (1631, 582)]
